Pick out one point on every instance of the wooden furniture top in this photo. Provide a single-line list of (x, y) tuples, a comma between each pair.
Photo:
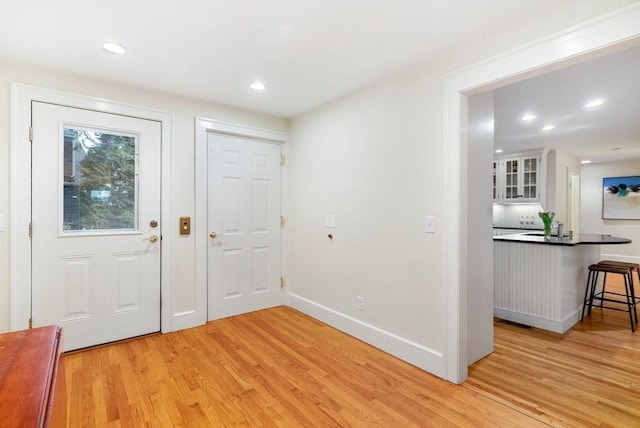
[(28, 367)]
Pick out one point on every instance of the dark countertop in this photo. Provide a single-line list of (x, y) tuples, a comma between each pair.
[(533, 229), (578, 239)]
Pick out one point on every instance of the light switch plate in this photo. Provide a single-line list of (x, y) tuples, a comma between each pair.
[(430, 224), (330, 221)]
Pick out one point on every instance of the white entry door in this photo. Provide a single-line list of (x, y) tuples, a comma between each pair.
[(244, 206), (95, 224)]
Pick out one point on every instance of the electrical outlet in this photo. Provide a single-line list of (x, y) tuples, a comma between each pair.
[(360, 303)]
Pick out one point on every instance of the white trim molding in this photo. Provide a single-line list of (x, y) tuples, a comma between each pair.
[(411, 352), (20, 195), (599, 36), (203, 128)]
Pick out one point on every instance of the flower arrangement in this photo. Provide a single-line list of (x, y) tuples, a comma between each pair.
[(547, 219)]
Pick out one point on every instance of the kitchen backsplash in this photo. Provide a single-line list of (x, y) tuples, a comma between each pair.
[(520, 216)]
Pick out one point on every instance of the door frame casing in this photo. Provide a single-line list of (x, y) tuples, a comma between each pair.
[(22, 97), (203, 128), (615, 30)]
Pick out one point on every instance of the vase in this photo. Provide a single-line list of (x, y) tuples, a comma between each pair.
[(547, 230)]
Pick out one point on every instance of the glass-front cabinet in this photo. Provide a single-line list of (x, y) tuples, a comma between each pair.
[(530, 173), (511, 174), (517, 179)]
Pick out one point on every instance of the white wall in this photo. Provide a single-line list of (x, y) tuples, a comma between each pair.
[(591, 220), (559, 166), (366, 159), (479, 230), (374, 159), (184, 111)]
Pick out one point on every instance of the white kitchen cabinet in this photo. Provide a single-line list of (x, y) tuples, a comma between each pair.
[(519, 179)]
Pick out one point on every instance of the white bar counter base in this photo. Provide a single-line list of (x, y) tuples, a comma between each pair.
[(541, 283)]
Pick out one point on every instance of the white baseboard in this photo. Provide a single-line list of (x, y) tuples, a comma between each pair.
[(411, 352), (545, 324), (620, 258)]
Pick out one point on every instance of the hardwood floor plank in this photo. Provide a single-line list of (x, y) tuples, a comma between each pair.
[(280, 368), (589, 376)]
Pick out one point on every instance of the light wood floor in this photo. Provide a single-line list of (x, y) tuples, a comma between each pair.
[(279, 367), (589, 376)]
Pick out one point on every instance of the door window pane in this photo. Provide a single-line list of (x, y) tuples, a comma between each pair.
[(100, 180)]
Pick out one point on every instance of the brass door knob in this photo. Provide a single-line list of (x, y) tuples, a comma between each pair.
[(153, 239), (213, 235)]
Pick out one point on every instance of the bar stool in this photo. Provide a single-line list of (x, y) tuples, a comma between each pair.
[(633, 267), (607, 296)]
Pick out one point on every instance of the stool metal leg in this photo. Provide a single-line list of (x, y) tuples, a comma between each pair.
[(604, 284), (631, 306), (587, 293), (633, 296), (594, 284)]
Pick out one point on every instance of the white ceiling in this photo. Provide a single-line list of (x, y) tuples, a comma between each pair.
[(605, 133), (306, 52), (311, 52)]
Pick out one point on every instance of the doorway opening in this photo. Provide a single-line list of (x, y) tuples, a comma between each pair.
[(612, 32)]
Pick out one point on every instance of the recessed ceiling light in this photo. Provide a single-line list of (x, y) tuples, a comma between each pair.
[(528, 117), (548, 127), (499, 150), (585, 161), (114, 48), (258, 86), (594, 103)]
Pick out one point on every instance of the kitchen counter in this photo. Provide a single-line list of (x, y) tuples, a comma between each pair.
[(543, 285), (577, 239)]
